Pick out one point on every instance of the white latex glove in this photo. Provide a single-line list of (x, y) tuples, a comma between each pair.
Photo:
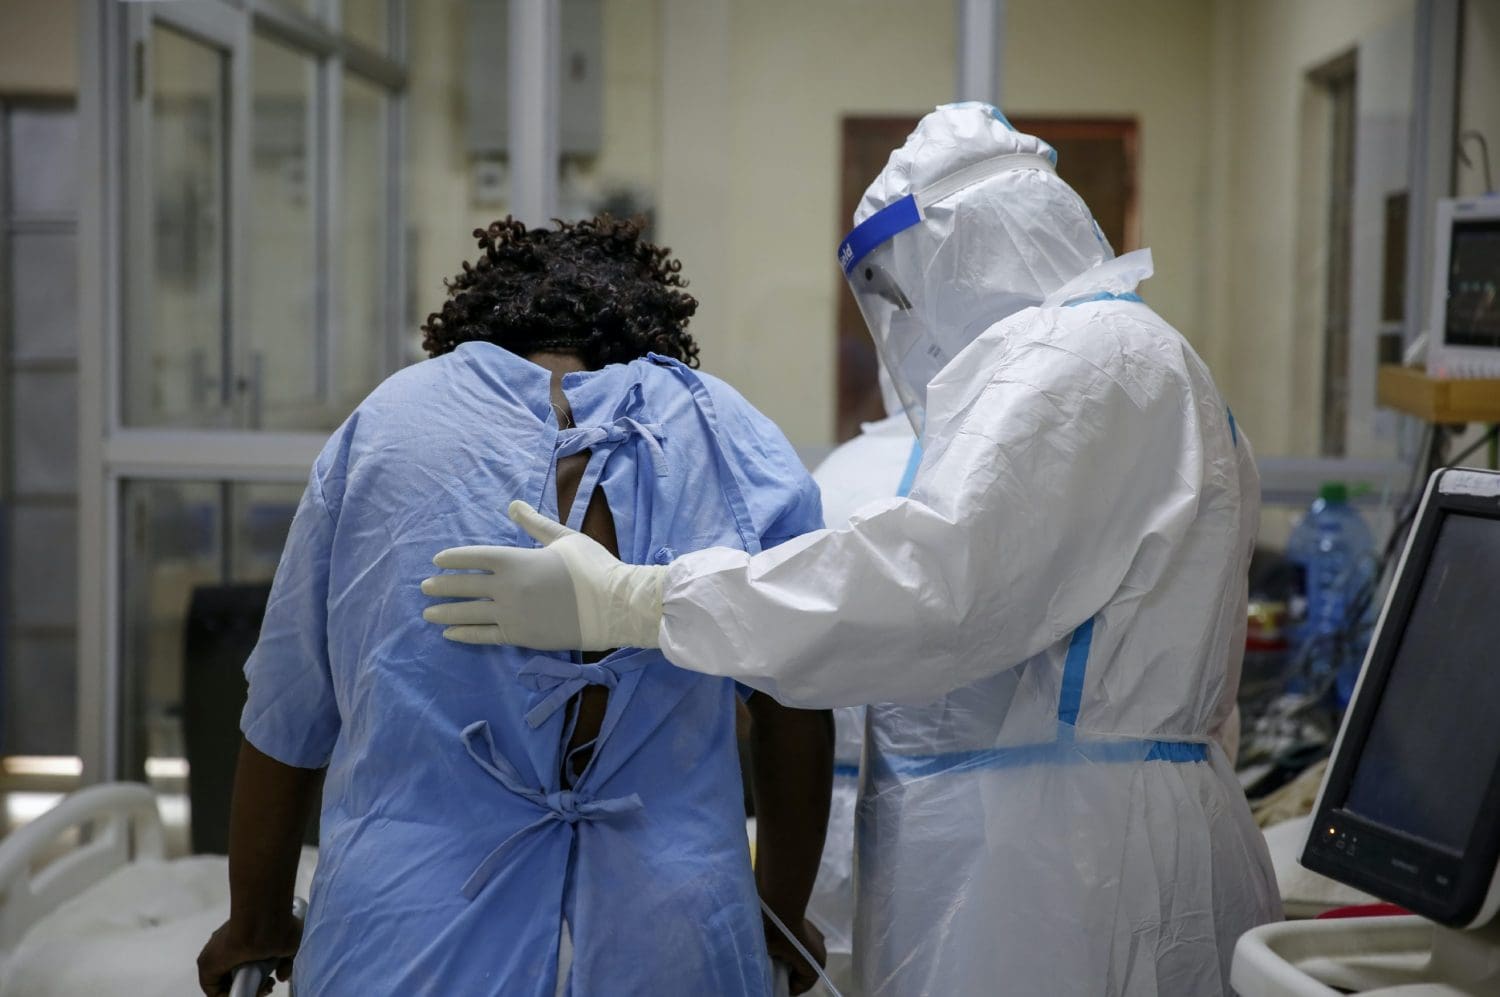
[(571, 594)]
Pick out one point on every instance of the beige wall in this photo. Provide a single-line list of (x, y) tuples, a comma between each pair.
[(630, 137), (752, 99), (751, 180), (38, 47), (728, 117), (442, 211), (743, 153), (1479, 91), (1261, 346), (1150, 59), (729, 110)]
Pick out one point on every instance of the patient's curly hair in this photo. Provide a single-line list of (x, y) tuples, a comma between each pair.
[(596, 289)]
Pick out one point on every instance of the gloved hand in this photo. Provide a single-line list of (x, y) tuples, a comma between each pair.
[(568, 595)]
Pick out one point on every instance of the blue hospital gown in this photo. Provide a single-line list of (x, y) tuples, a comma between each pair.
[(450, 851)]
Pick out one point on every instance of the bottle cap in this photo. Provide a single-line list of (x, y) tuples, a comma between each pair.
[(1334, 492)]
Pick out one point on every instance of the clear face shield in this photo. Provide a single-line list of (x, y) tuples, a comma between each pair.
[(907, 350), (910, 350)]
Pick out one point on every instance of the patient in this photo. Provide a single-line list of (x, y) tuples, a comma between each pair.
[(498, 820)]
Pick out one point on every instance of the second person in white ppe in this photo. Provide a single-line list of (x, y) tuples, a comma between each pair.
[(1076, 544), (878, 463)]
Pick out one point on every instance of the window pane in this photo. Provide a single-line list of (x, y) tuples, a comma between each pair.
[(176, 358), (363, 235), (44, 566), (171, 549), (367, 21), (44, 282), (45, 441), (41, 699), (262, 515), (44, 151), (192, 614), (284, 353), (172, 545)]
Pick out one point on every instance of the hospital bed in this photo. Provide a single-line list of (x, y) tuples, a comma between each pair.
[(90, 903)]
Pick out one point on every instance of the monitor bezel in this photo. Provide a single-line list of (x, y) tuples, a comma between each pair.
[(1475, 898)]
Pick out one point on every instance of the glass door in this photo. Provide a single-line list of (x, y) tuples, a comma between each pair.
[(38, 449), (243, 191), (178, 364)]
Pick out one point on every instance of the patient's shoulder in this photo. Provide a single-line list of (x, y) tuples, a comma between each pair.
[(781, 495), (732, 410)]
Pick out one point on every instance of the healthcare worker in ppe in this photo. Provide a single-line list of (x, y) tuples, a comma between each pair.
[(1069, 571), (489, 810), (881, 461), (855, 474)]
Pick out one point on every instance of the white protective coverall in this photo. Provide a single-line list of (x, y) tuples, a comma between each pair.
[(1069, 575), (873, 465)]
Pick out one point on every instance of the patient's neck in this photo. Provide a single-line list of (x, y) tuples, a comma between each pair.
[(559, 364)]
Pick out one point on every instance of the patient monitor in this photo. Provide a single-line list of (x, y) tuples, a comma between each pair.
[(1464, 322), (1410, 808)]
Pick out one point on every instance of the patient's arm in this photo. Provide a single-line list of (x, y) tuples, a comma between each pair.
[(266, 821), (793, 779)]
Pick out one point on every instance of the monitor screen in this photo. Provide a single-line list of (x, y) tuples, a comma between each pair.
[(1434, 741), (1474, 285)]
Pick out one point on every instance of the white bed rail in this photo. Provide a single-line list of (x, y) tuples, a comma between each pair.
[(116, 823)]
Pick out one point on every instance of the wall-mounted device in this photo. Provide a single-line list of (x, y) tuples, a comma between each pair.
[(1464, 320)]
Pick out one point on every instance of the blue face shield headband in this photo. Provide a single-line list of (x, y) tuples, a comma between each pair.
[(897, 217), (909, 350)]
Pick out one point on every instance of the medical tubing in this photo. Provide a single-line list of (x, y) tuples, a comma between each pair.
[(1484, 152), (823, 976), (1473, 448), (827, 983)]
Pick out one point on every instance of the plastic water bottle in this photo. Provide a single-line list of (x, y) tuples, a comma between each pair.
[(1336, 552)]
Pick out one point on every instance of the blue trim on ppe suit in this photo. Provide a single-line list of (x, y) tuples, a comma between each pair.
[(1068, 749)]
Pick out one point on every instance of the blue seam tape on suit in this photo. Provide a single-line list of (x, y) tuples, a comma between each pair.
[(1114, 752), (1066, 750), (1070, 699), (1105, 296), (909, 476)]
